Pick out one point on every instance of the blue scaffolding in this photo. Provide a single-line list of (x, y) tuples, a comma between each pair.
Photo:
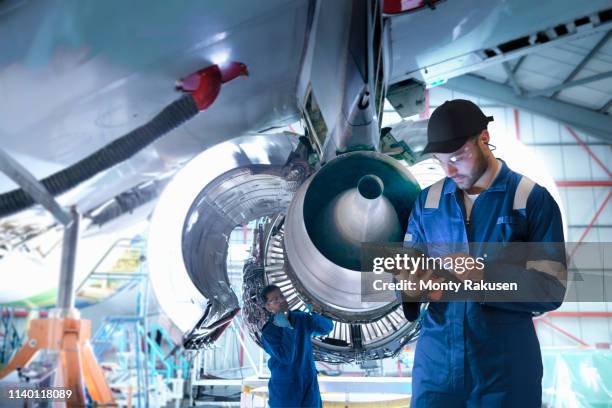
[(10, 338), (141, 350)]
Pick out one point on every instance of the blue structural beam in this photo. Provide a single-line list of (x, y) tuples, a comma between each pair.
[(565, 85), (512, 78), (592, 122)]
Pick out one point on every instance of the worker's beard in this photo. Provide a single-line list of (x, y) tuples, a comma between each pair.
[(480, 166)]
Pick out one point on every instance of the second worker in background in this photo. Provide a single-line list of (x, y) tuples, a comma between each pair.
[(286, 337)]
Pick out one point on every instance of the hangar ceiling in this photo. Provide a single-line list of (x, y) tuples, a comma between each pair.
[(564, 73)]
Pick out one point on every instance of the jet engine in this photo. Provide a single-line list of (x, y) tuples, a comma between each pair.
[(312, 225), (317, 198)]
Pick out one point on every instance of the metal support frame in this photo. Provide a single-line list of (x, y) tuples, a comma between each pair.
[(426, 111), (24, 179), (63, 332), (66, 292), (578, 314), (606, 106), (585, 60), (564, 332), (558, 144), (237, 331), (592, 122), (590, 226), (133, 324), (518, 63), (517, 127), (565, 85), (593, 183), (22, 312), (603, 205), (142, 310), (585, 225), (10, 337), (583, 183), (512, 78), (482, 62), (589, 151), (146, 352)]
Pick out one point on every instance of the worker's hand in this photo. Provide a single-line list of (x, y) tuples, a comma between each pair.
[(416, 278), (281, 320), (466, 267), (309, 308)]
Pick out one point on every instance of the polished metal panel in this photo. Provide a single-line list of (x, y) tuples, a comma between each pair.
[(309, 245)]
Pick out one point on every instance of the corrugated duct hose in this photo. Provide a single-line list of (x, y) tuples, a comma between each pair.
[(203, 89), (175, 114)]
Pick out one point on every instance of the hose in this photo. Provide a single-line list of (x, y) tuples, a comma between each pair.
[(172, 116)]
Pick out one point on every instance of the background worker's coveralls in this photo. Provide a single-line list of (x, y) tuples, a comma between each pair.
[(293, 382), (485, 354)]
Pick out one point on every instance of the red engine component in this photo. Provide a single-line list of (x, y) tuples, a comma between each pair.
[(204, 85), (405, 6)]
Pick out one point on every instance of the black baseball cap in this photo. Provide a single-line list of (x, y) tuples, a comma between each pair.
[(452, 124)]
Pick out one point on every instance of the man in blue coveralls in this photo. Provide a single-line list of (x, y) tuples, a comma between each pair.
[(481, 353), (286, 338)]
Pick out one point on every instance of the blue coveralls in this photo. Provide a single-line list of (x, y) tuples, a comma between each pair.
[(293, 382), (484, 354)]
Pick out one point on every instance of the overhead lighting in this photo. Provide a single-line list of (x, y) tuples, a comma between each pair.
[(435, 83), (220, 57)]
